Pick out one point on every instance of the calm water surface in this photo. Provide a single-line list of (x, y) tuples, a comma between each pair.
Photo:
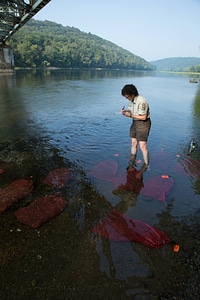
[(71, 119)]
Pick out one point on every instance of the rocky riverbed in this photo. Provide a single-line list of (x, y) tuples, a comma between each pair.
[(60, 260)]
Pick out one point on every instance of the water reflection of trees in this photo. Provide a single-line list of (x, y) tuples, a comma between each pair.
[(196, 120), (51, 74), (197, 103)]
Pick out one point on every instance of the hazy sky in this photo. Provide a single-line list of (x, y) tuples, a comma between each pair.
[(151, 29)]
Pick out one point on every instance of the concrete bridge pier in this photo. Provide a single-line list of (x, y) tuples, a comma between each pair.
[(6, 59)]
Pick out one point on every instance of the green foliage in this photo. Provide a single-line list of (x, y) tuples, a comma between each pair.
[(178, 64), (197, 104), (194, 69), (48, 44)]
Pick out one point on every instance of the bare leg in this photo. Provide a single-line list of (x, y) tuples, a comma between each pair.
[(133, 152), (145, 153), (134, 146)]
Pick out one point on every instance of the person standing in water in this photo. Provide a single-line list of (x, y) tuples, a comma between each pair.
[(138, 110)]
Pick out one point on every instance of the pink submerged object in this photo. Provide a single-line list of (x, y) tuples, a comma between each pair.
[(58, 178), (158, 187), (105, 170), (16, 190), (119, 227), (41, 210)]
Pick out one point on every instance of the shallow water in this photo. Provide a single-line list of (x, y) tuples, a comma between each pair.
[(71, 118)]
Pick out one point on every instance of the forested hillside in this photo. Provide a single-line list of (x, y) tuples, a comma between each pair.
[(48, 44), (178, 64)]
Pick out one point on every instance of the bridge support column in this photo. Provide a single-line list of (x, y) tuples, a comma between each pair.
[(6, 59)]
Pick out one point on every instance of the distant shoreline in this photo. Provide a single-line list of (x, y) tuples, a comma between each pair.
[(180, 72)]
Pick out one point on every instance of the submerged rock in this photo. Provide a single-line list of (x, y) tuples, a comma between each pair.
[(58, 178)]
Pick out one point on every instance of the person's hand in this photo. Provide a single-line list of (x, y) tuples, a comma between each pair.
[(122, 109), (126, 113)]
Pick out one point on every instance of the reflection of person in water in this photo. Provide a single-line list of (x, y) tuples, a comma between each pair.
[(130, 190)]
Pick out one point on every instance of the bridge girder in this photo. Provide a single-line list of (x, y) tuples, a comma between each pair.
[(15, 13)]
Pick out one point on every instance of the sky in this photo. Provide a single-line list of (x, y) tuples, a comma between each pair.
[(151, 29)]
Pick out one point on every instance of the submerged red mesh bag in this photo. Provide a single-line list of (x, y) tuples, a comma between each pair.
[(105, 170), (16, 190), (158, 187), (122, 228), (41, 210)]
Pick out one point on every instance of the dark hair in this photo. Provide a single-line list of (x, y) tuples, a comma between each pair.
[(130, 89)]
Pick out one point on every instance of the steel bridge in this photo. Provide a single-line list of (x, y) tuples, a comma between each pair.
[(15, 13)]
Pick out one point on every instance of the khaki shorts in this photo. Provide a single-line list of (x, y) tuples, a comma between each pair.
[(140, 130)]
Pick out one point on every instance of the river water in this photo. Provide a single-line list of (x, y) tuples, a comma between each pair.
[(71, 118)]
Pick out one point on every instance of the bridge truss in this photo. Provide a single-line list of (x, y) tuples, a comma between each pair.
[(15, 13)]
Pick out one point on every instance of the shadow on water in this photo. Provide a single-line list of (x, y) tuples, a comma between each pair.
[(63, 259)]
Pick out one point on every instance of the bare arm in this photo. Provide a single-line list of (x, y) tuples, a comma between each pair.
[(127, 113)]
